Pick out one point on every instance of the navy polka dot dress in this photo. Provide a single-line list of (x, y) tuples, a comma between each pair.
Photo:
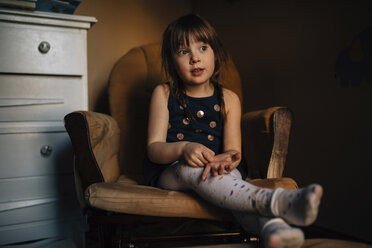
[(206, 129)]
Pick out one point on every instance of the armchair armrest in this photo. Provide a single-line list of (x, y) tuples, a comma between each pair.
[(265, 141), (95, 139)]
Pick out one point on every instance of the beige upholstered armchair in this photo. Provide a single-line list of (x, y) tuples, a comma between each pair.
[(109, 149)]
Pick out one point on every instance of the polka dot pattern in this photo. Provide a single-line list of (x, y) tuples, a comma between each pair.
[(203, 127), (186, 121), (180, 136), (183, 107), (200, 114)]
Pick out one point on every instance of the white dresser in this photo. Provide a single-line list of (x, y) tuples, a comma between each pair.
[(43, 76)]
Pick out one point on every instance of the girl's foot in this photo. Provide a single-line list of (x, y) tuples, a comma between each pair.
[(276, 233), (298, 207)]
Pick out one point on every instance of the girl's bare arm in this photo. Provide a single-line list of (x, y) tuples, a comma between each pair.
[(232, 129), (157, 149)]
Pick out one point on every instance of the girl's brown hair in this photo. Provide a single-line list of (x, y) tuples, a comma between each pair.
[(178, 34)]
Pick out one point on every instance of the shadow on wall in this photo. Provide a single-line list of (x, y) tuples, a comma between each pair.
[(102, 102), (353, 66)]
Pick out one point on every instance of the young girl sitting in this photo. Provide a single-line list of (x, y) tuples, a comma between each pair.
[(194, 139)]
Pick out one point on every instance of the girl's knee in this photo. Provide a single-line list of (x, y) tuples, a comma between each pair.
[(186, 172)]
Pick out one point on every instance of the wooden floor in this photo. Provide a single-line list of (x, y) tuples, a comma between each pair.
[(312, 232)]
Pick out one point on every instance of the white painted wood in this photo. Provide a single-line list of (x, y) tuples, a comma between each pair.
[(38, 87), (40, 98), (21, 157), (55, 228), (8, 127), (32, 188), (6, 206), (15, 102), (39, 210), (66, 56), (45, 18)]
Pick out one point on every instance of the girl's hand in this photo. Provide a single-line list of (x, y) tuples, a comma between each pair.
[(221, 163), (197, 155)]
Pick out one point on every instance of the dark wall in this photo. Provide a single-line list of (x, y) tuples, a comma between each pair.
[(314, 57)]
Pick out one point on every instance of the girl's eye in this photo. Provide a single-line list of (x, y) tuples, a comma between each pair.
[(203, 48), (182, 52)]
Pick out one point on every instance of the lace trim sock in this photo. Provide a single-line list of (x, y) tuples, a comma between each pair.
[(298, 207), (261, 201), (275, 233)]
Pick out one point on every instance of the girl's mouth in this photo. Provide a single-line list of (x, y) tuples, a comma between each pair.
[(197, 71)]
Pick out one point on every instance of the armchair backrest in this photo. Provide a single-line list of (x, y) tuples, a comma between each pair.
[(132, 81)]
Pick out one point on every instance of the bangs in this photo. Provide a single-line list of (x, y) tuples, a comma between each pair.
[(182, 39), (190, 29)]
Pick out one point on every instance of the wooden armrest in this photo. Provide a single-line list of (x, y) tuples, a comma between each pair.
[(95, 139), (265, 141)]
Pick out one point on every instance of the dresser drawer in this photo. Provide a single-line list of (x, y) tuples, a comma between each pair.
[(40, 98), (41, 209), (25, 155), (24, 49), (31, 188), (56, 233)]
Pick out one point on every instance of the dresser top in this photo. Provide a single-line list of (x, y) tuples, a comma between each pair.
[(46, 18)]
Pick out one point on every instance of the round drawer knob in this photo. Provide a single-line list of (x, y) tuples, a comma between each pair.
[(44, 47), (46, 150)]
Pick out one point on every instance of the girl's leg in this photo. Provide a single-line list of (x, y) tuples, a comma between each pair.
[(299, 207), (274, 232)]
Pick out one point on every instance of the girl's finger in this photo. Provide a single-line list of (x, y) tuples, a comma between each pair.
[(192, 164), (199, 163), (236, 156), (221, 169), (229, 168), (196, 161), (214, 171), (203, 160), (206, 171), (208, 155)]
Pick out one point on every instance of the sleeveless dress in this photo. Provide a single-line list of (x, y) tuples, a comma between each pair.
[(207, 130)]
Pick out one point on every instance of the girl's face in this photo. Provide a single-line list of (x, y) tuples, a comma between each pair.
[(195, 63)]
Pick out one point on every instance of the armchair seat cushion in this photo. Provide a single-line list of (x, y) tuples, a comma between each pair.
[(129, 197)]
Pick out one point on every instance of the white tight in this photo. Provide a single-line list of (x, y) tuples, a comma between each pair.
[(217, 190), (179, 175), (227, 191), (252, 206)]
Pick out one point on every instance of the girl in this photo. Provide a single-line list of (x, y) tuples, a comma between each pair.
[(194, 139)]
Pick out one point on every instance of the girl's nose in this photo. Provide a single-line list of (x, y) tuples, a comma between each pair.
[(194, 59)]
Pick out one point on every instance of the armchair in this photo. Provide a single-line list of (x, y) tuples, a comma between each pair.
[(109, 150)]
